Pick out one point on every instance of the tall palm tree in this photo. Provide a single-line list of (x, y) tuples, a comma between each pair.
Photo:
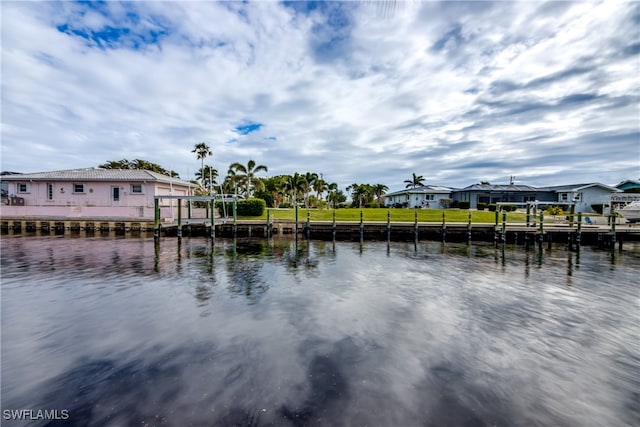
[(202, 151), (246, 175), (415, 181), (332, 195), (310, 178)]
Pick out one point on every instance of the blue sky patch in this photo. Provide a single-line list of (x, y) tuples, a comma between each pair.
[(248, 128), (125, 31)]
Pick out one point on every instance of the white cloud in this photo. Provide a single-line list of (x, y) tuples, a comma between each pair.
[(351, 90)]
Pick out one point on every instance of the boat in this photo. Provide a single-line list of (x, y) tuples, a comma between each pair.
[(631, 212)]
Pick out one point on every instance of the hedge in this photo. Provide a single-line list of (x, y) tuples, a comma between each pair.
[(481, 206), (463, 204), (246, 207)]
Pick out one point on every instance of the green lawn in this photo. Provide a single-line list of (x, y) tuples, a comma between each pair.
[(397, 215)]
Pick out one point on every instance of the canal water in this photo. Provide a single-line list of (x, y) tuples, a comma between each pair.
[(118, 332)]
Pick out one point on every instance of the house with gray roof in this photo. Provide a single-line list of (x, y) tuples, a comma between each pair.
[(502, 193), (91, 193), (584, 195)]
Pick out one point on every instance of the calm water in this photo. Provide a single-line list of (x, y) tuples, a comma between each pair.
[(124, 332)]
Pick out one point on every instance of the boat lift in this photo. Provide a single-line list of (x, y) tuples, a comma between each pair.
[(210, 200)]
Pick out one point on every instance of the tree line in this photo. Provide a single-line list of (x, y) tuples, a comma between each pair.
[(308, 189)]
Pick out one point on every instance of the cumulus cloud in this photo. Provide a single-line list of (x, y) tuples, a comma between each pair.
[(359, 91)]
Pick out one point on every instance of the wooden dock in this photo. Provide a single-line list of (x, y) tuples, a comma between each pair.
[(339, 230)]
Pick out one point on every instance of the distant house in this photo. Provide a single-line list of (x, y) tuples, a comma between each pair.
[(584, 195), (630, 186), (502, 193), (91, 193), (428, 196)]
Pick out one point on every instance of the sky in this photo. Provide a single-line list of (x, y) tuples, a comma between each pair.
[(358, 91)]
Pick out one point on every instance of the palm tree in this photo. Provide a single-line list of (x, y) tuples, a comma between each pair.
[(415, 181), (310, 178), (320, 186), (202, 151), (207, 177), (379, 190), (332, 193), (296, 186), (246, 175)]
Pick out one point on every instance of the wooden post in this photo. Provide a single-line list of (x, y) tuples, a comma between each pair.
[(296, 227), (444, 226), (612, 217), (497, 217), (235, 217), (504, 226), (415, 225), (156, 218), (268, 223), (361, 225), (469, 228), (541, 238), (389, 224), (308, 223), (212, 205), (333, 227), (189, 209), (179, 217), (528, 214), (572, 211), (534, 214), (578, 234)]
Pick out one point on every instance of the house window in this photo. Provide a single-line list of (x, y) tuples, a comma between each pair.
[(78, 188), (564, 197), (23, 187), (578, 197), (49, 191), (136, 188), (430, 197)]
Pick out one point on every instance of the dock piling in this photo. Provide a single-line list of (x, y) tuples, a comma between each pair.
[(389, 225), (333, 227), (179, 217)]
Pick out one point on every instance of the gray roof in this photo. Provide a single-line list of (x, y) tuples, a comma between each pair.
[(578, 187), (96, 174), (500, 187), (426, 189)]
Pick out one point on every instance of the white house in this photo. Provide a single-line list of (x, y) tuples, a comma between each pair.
[(584, 195), (91, 193), (428, 196)]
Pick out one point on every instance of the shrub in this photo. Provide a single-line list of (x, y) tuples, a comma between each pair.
[(375, 205), (481, 206), (251, 207), (554, 210), (248, 207), (463, 204), (509, 208), (492, 207)]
